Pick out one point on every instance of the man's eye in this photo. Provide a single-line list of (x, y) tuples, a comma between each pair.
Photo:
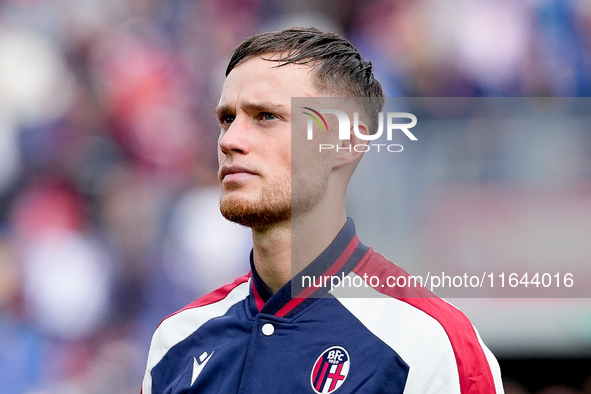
[(267, 116), (227, 119)]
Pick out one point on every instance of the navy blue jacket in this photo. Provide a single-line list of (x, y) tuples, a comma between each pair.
[(311, 338)]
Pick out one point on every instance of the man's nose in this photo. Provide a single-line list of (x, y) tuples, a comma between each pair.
[(236, 139)]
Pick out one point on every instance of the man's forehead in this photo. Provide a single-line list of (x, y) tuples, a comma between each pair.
[(259, 82), (268, 68), (273, 60)]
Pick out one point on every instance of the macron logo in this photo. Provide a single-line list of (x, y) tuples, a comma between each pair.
[(199, 365)]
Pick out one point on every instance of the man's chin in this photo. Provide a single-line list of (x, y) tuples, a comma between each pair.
[(255, 214)]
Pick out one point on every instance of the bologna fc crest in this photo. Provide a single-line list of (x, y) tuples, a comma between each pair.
[(330, 370)]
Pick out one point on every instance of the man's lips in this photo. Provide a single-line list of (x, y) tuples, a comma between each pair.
[(235, 173)]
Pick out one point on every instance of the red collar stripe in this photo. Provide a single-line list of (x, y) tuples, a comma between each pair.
[(257, 297)]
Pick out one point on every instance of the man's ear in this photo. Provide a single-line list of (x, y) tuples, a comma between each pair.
[(351, 150)]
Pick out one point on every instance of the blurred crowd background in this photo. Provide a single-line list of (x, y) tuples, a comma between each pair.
[(108, 185)]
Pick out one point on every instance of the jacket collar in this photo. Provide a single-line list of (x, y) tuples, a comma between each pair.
[(338, 259)]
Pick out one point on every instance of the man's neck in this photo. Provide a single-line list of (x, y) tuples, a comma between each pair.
[(272, 254), (282, 250)]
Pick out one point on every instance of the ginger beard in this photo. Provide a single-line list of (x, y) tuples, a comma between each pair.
[(273, 205)]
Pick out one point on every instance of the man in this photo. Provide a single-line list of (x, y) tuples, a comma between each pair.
[(267, 332)]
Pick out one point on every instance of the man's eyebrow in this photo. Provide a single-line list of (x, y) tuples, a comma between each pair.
[(262, 106), (222, 110)]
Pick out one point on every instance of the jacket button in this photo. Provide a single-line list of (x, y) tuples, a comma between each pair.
[(268, 329)]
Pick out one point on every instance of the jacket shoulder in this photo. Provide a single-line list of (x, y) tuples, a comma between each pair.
[(431, 334), (178, 326)]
